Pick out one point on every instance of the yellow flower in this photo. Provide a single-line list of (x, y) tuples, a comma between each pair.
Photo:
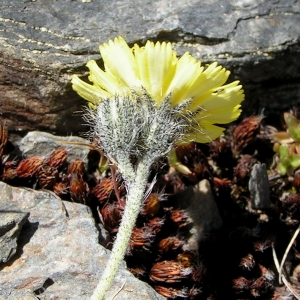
[(156, 70)]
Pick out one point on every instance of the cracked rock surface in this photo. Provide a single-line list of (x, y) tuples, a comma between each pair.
[(58, 254), (44, 42), (12, 220)]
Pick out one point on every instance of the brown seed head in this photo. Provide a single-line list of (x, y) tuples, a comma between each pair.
[(260, 286), (103, 189), (77, 167), (241, 284), (79, 189), (179, 217), (111, 215), (262, 244), (57, 158), (171, 183), (28, 167), (247, 262), (141, 238), (244, 166), (169, 271), (156, 224), (171, 293), (245, 133), (186, 259), (47, 176), (195, 292), (60, 188), (151, 205), (170, 244), (9, 171), (266, 273)]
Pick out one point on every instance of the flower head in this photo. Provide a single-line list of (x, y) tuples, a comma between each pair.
[(154, 81), (144, 101)]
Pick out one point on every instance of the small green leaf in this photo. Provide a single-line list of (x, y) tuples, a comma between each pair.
[(290, 120), (294, 132), (295, 161), (284, 151), (281, 168), (172, 157)]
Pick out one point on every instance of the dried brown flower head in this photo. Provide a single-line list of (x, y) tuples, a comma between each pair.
[(141, 237), (28, 167), (260, 286), (76, 167), (57, 158), (47, 176), (179, 217), (169, 271), (103, 189), (266, 273), (111, 216), (262, 245), (61, 188), (79, 189), (169, 244), (244, 167), (156, 224), (245, 132), (171, 293), (151, 205), (241, 284), (9, 171), (247, 262)]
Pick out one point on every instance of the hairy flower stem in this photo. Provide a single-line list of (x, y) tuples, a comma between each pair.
[(134, 202)]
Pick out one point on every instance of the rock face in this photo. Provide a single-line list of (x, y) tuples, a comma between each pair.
[(44, 42), (12, 220), (58, 254)]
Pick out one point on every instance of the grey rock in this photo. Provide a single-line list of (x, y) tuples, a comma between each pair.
[(199, 203), (43, 143), (58, 255), (9, 294), (44, 42), (12, 220), (259, 187)]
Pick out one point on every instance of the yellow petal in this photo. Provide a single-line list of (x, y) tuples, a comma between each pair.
[(120, 62), (220, 116), (205, 132), (89, 92), (214, 76), (187, 71), (223, 97), (104, 80), (156, 66)]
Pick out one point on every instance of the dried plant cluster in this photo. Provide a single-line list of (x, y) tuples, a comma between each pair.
[(234, 262)]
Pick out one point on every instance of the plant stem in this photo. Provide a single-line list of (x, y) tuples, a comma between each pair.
[(133, 205)]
